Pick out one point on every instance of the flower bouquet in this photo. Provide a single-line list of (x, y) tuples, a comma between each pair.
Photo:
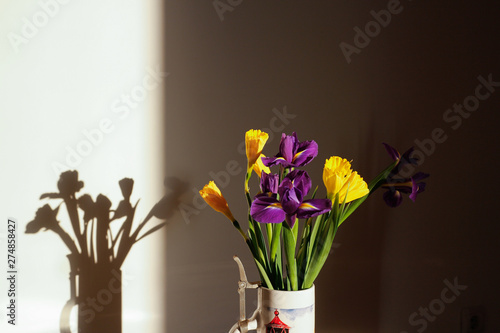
[(285, 261)]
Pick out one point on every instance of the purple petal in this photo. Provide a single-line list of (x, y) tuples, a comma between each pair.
[(414, 191), (393, 153), (421, 187), (417, 187), (293, 153), (406, 164), (287, 146), (277, 160), (269, 182), (290, 219), (286, 152), (267, 210), (407, 159), (286, 185), (313, 207), (301, 180), (291, 200), (306, 152), (406, 187), (393, 198)]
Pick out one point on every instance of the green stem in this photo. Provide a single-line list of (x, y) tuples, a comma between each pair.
[(237, 226), (290, 244)]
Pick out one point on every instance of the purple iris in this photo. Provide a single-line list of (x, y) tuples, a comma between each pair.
[(404, 160), (292, 152), (291, 204), (393, 197), (269, 183), (397, 184)]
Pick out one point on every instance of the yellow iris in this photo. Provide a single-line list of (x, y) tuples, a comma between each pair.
[(339, 178), (213, 196), (254, 143), (258, 167)]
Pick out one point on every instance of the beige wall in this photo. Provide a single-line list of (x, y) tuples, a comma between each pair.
[(63, 66), (229, 75)]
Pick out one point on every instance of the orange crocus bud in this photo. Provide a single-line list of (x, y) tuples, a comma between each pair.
[(212, 196)]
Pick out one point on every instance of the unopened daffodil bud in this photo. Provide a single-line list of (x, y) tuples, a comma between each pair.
[(213, 196)]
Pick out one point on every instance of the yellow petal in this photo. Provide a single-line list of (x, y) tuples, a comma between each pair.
[(334, 173), (258, 167), (213, 196), (338, 177), (355, 187), (254, 143)]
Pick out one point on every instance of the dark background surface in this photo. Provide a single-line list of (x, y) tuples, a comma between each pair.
[(228, 75)]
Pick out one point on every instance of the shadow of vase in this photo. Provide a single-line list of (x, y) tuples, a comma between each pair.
[(96, 291), (99, 299)]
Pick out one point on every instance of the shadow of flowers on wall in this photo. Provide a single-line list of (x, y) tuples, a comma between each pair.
[(96, 252)]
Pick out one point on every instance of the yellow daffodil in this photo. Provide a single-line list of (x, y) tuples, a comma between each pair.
[(254, 143), (258, 167), (339, 178), (212, 196)]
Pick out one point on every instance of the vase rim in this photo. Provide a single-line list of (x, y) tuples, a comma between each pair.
[(289, 291)]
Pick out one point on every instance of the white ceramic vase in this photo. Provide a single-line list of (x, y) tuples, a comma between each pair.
[(278, 311)]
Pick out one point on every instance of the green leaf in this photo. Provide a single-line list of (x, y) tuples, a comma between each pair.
[(275, 255), (289, 242), (304, 241), (372, 186), (252, 243), (279, 272), (295, 230), (377, 181), (261, 244), (319, 257), (275, 242), (264, 275), (319, 224), (269, 231), (322, 247), (302, 255)]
